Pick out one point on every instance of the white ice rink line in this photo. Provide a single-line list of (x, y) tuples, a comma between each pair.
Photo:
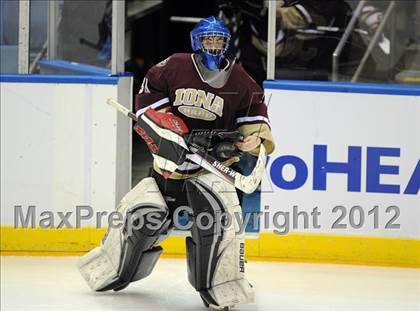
[(53, 283)]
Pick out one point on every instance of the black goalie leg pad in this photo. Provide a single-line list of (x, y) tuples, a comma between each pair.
[(128, 253), (148, 263), (204, 244), (215, 250), (194, 272), (139, 256)]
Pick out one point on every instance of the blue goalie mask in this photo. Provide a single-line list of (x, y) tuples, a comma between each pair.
[(210, 38)]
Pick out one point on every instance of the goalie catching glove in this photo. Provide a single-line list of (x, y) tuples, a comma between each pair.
[(218, 143)]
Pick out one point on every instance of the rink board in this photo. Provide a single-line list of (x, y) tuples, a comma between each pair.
[(268, 246), (355, 146), (62, 146)]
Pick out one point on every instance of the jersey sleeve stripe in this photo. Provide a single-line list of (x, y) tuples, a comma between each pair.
[(304, 12), (252, 119), (155, 105)]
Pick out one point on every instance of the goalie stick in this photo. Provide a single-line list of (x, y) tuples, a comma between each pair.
[(247, 184)]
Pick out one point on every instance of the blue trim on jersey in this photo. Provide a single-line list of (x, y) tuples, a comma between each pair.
[(343, 87), (75, 79)]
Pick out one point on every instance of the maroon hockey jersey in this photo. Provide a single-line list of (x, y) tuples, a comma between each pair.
[(178, 84)]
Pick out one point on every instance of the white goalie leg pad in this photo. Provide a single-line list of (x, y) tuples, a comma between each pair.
[(127, 253), (216, 263)]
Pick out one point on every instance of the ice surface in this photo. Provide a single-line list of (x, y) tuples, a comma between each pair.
[(53, 283)]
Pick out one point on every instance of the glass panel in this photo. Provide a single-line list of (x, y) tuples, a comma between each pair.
[(37, 32), (84, 32), (388, 56), (9, 20), (309, 31), (247, 21)]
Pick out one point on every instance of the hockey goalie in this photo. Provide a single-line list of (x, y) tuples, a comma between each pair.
[(191, 108)]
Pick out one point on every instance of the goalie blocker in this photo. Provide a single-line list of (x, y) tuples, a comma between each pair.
[(164, 135)]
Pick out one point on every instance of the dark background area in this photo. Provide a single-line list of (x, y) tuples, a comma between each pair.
[(155, 37)]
